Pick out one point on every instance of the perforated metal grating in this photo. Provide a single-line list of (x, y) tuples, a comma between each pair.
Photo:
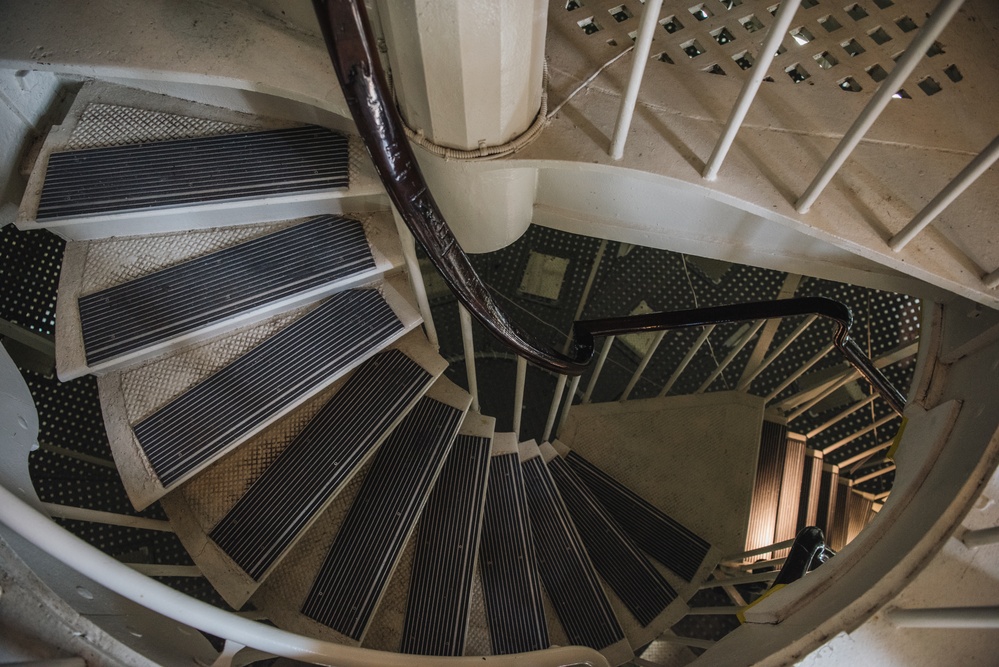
[(627, 276), (848, 45), (30, 263)]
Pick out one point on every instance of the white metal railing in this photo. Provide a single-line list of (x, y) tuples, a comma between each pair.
[(941, 16), (130, 584)]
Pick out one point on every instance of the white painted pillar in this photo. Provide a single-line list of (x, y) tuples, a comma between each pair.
[(466, 73)]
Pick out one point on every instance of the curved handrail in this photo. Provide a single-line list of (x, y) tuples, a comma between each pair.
[(585, 331), (123, 580), (348, 38)]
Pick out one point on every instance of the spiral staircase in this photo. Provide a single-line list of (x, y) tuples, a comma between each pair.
[(297, 428)]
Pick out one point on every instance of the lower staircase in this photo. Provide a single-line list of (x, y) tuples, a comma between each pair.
[(266, 384)]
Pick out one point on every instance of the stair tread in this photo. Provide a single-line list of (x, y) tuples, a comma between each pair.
[(172, 417), (190, 171), (563, 562), (654, 531), (436, 620), (507, 561), (199, 292), (617, 558), (176, 439), (367, 546), (282, 502)]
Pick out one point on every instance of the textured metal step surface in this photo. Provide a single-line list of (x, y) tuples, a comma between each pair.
[(199, 292), (179, 172), (656, 533), (508, 563), (210, 416), (441, 589), (361, 559), (617, 558), (286, 497), (572, 584)]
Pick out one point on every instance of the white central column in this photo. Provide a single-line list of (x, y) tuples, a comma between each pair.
[(466, 72)]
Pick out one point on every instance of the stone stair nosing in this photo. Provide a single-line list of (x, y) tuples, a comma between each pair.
[(197, 507), (138, 116), (130, 398), (89, 267), (570, 579)]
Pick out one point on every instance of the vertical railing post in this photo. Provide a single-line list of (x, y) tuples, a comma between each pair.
[(952, 191), (882, 96), (416, 277), (597, 367), (767, 54), (770, 358), (571, 394), (642, 365), (469, 346), (730, 357), (518, 394), (650, 14), (553, 410), (686, 360), (587, 288)]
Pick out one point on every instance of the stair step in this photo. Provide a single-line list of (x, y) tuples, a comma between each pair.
[(565, 567), (126, 300), (311, 258), (360, 562), (507, 559), (225, 491), (178, 172), (618, 560), (447, 547), (157, 449), (126, 162), (282, 502), (656, 533)]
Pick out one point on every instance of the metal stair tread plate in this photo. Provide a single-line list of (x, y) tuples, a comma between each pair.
[(360, 562), (179, 172), (106, 266), (620, 563), (569, 577), (436, 620), (507, 560), (364, 194), (152, 462), (201, 292), (202, 503), (655, 532)]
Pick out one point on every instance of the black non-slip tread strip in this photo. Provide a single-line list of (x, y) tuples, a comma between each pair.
[(618, 560), (201, 291), (572, 584), (444, 562), (660, 536), (359, 563), (179, 171), (508, 563), (204, 420), (296, 486)]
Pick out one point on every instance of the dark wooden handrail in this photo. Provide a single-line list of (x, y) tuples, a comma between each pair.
[(352, 50)]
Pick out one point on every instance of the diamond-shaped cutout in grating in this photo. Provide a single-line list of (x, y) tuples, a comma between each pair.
[(726, 30)]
